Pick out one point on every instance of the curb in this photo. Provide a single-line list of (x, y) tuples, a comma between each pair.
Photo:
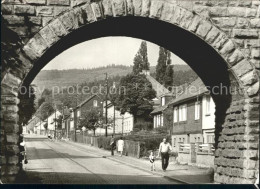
[(128, 164)]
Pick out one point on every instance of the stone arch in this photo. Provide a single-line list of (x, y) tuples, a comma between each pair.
[(236, 119)]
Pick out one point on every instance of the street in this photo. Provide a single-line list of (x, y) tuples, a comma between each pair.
[(59, 163)]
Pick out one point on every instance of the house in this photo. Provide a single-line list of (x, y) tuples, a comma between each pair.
[(157, 113), (94, 101), (193, 116), (121, 123), (32, 123), (51, 123), (163, 97)]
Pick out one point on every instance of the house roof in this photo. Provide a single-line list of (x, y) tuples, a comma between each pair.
[(158, 87), (159, 109), (85, 101), (194, 90)]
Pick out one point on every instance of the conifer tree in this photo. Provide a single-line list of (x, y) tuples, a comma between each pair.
[(141, 59)]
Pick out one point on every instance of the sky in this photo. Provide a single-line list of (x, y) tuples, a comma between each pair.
[(105, 51)]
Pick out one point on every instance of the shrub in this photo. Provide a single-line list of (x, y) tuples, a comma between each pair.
[(142, 125)]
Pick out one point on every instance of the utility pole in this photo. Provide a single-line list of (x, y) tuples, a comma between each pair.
[(75, 119), (114, 120), (55, 121), (106, 101)]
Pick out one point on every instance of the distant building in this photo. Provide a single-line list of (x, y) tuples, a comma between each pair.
[(51, 123), (124, 123), (80, 110), (193, 116)]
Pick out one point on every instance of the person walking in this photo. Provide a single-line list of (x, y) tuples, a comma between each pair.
[(164, 150), (112, 145), (120, 146), (152, 161)]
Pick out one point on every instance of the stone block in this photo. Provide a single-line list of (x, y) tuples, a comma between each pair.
[(218, 11), (13, 160), (36, 2), (167, 11), (253, 90), (12, 138), (24, 9), (236, 11), (242, 23), (245, 33), (46, 20), (178, 15), (227, 49), (20, 30), (13, 169), (195, 23), (68, 21), (242, 67), (57, 27), (14, 20), (212, 35), (119, 7), (255, 53), (203, 29), (7, 9), (107, 7), (89, 12), (78, 2), (44, 11), (251, 13), (158, 9), (250, 153), (235, 57), (224, 22), (35, 20), (11, 128), (58, 2), (129, 7), (60, 9), (9, 100), (255, 23), (80, 17), (137, 6), (97, 10), (11, 80), (48, 35), (186, 19), (12, 149), (249, 78), (146, 4)]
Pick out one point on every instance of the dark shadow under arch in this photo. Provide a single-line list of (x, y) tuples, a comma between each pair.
[(200, 56)]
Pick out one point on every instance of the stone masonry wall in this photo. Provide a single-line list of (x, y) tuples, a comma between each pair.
[(230, 27)]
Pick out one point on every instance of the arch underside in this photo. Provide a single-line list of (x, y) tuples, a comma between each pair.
[(215, 58)]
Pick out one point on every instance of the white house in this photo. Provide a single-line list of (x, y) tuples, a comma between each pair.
[(50, 120), (208, 119), (124, 123)]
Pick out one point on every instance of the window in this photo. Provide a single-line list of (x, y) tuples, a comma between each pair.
[(163, 101), (72, 114), (78, 113), (183, 113), (210, 138), (95, 103), (174, 141), (175, 115), (197, 110), (162, 120), (207, 105), (198, 139)]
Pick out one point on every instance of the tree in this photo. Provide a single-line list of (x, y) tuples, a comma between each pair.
[(58, 121), (164, 69), (141, 59), (40, 101), (45, 110), (135, 96), (91, 119), (26, 105)]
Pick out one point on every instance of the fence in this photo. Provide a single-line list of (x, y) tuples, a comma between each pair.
[(131, 148), (200, 154)]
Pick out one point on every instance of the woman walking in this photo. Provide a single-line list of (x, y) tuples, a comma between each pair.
[(120, 145)]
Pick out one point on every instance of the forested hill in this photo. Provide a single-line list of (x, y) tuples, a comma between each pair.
[(51, 78)]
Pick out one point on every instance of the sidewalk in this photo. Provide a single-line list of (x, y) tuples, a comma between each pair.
[(185, 174)]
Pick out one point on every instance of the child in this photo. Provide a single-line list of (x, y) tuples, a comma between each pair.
[(152, 159)]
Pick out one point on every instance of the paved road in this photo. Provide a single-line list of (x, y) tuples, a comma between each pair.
[(59, 163)]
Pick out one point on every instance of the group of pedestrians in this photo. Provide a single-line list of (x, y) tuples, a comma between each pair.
[(164, 151)]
